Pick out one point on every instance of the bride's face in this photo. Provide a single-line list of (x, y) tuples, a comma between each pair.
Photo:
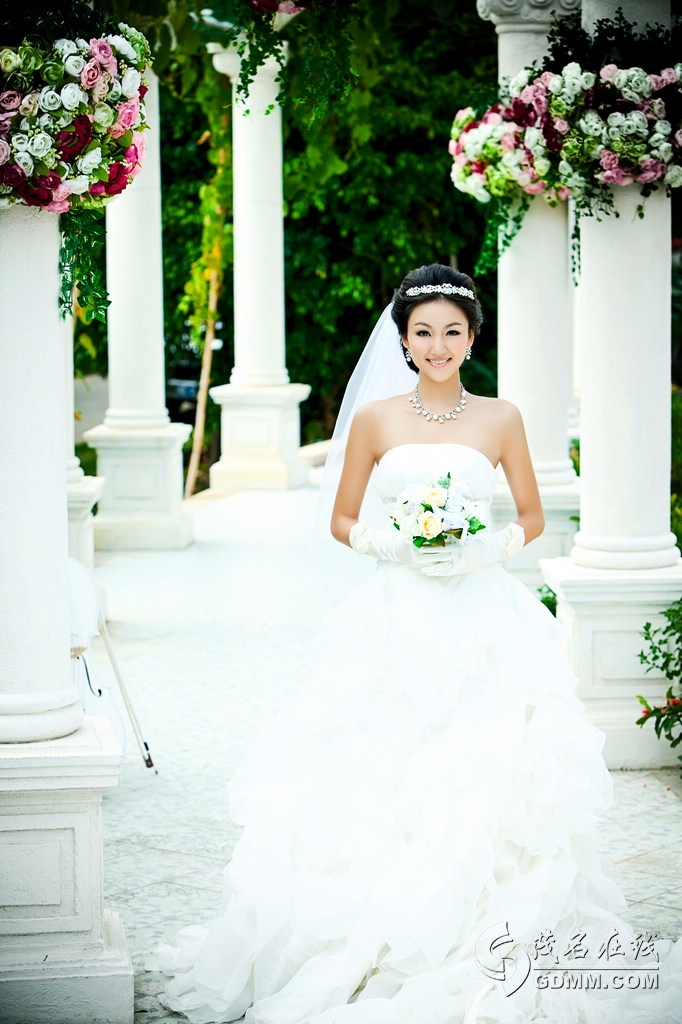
[(437, 336)]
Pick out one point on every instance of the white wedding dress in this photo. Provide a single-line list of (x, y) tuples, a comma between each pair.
[(434, 780)]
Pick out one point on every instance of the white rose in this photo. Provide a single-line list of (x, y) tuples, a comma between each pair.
[(629, 127), (40, 145), (83, 45), (123, 47), (49, 99), (89, 162), (663, 128), (556, 85), (64, 47), (46, 121), (20, 143), (614, 133), (519, 82), (74, 64), (104, 115), (64, 117), (130, 83), (9, 61), (673, 176), (664, 152), (615, 120), (115, 90), (640, 122), (72, 96), (435, 496), (587, 80), (542, 166), (572, 71), (79, 184), (5, 201), (678, 71), (25, 124), (591, 124), (25, 161), (533, 136), (565, 168), (29, 104)]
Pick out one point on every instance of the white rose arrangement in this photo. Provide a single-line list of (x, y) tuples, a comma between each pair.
[(436, 513)]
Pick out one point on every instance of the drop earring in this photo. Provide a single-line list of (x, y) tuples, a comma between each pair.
[(408, 355), (467, 354)]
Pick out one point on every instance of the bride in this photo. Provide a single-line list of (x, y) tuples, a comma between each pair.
[(419, 842)]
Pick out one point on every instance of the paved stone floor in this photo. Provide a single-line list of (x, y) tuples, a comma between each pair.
[(212, 641)]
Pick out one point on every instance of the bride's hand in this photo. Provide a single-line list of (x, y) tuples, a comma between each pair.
[(477, 551), (392, 546)]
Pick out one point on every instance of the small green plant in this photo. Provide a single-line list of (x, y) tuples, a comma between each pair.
[(665, 653), (548, 598)]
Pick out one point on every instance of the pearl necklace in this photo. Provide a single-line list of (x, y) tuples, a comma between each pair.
[(440, 417)]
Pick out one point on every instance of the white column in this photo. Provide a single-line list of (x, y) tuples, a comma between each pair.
[(260, 434), (534, 314), (139, 451), (624, 568), (63, 958), (82, 492), (37, 697)]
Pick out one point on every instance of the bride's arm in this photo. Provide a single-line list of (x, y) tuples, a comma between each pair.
[(357, 469), (518, 469)]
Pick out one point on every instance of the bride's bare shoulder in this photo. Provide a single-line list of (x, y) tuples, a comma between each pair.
[(503, 410), (375, 412)]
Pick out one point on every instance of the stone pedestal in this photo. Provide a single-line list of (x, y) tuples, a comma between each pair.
[(139, 451), (63, 957), (603, 613), (260, 438), (259, 407)]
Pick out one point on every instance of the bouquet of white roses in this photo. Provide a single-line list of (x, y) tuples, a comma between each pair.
[(436, 513)]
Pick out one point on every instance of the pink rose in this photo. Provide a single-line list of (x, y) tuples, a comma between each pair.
[(608, 73), (6, 123), (657, 82), (561, 126), (128, 114), (4, 152), (608, 159), (546, 77), (62, 191), (101, 51), (650, 170), (461, 160), (563, 192), (58, 206), (669, 76), (491, 117), (97, 189), (617, 176), (452, 148), (10, 99), (534, 188), (91, 73), (507, 142), (677, 138)]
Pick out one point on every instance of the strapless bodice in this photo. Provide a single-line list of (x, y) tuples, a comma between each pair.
[(412, 463)]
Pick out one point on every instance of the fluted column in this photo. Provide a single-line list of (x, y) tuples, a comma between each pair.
[(139, 451), (534, 313), (260, 433), (624, 568)]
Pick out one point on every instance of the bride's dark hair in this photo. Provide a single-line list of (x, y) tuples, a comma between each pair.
[(434, 274)]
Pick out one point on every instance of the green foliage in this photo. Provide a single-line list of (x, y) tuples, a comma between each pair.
[(81, 263), (665, 654), (547, 597)]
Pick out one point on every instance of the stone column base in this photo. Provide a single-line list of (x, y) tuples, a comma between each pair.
[(81, 497), (260, 438), (141, 505), (603, 612), (559, 502), (63, 958)]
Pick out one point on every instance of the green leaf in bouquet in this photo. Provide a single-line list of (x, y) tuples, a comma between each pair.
[(427, 507), (126, 139), (445, 481), (419, 542), (475, 525)]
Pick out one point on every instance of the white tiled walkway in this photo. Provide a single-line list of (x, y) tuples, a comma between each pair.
[(212, 641)]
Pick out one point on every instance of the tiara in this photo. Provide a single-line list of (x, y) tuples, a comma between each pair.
[(443, 289)]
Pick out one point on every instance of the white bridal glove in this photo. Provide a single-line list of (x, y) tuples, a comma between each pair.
[(478, 550), (391, 546)]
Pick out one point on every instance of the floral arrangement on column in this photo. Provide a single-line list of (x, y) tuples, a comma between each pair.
[(71, 136), (572, 130)]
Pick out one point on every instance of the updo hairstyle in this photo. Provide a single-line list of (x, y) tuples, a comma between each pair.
[(434, 274)]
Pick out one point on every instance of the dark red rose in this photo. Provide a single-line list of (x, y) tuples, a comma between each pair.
[(50, 180), (97, 189), (143, 90), (12, 175), (35, 196), (72, 142), (118, 179), (553, 139)]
